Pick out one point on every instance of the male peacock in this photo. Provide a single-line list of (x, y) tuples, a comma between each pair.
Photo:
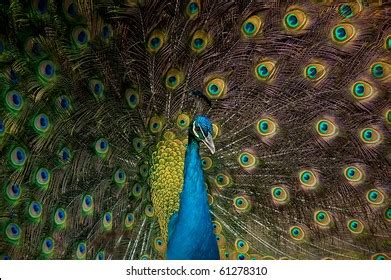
[(109, 111), (190, 230)]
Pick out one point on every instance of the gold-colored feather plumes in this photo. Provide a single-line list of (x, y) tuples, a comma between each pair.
[(166, 179)]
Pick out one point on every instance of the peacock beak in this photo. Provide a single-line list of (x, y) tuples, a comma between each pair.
[(209, 143)]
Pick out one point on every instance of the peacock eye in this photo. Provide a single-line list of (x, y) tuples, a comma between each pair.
[(343, 33), (297, 233), (251, 26), (370, 136), (107, 221), (375, 197), (60, 217), (80, 37), (14, 101), (87, 204), (362, 90), (295, 20), (13, 232), (100, 255), (355, 226), (13, 192), (35, 210), (380, 70), (47, 246), (81, 251), (18, 157)]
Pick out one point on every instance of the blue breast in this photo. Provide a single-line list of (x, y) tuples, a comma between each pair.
[(191, 235)]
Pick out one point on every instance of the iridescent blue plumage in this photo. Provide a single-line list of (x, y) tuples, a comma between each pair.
[(190, 230)]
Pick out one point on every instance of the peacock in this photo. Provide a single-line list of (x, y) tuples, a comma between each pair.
[(195, 129)]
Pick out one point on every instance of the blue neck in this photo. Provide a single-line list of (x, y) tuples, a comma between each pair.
[(192, 235), (194, 188)]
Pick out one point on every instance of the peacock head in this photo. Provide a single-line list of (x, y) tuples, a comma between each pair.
[(201, 129)]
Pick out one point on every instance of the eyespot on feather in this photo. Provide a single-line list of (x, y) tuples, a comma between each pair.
[(295, 20), (200, 41), (343, 33), (156, 41), (265, 70), (308, 179), (251, 26)]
